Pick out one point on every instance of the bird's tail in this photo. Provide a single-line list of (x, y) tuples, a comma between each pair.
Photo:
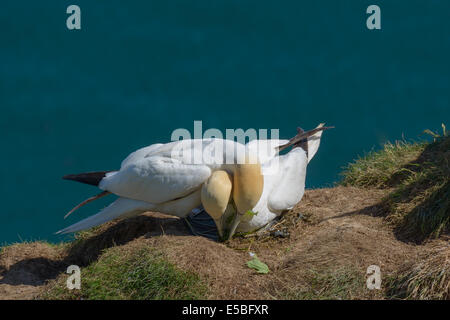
[(92, 178), (120, 208)]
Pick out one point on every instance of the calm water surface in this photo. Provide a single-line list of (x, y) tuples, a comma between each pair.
[(74, 101)]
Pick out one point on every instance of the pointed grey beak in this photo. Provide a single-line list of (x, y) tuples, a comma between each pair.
[(219, 227), (236, 221), (301, 137)]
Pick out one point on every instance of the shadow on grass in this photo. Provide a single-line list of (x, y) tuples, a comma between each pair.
[(418, 205), (420, 202), (84, 251)]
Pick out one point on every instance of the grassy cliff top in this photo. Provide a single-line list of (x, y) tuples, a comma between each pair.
[(391, 209), (417, 176)]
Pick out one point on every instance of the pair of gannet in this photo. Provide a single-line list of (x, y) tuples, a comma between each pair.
[(242, 187)]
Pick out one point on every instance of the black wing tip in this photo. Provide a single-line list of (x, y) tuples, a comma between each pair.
[(91, 178)]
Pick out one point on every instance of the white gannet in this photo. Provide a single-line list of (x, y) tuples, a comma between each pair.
[(251, 183), (284, 175)]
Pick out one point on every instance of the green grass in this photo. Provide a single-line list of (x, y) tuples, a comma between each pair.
[(378, 168), (418, 177), (137, 274)]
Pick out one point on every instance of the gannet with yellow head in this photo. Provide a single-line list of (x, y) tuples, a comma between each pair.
[(157, 179), (215, 196)]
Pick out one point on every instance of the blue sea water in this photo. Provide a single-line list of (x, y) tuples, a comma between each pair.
[(82, 100)]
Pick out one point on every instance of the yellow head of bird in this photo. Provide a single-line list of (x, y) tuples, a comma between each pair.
[(216, 192), (248, 184)]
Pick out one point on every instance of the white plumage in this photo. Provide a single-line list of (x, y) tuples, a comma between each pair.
[(168, 178)]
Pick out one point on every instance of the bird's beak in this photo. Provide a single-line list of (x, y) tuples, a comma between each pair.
[(236, 221), (218, 223), (302, 136)]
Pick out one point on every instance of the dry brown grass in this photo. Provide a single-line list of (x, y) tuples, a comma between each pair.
[(334, 235), (222, 267), (418, 177), (25, 267), (428, 278)]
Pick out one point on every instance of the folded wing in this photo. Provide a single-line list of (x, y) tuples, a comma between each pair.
[(156, 179)]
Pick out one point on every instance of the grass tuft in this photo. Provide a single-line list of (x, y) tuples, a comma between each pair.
[(136, 274), (377, 169), (418, 177), (427, 280)]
